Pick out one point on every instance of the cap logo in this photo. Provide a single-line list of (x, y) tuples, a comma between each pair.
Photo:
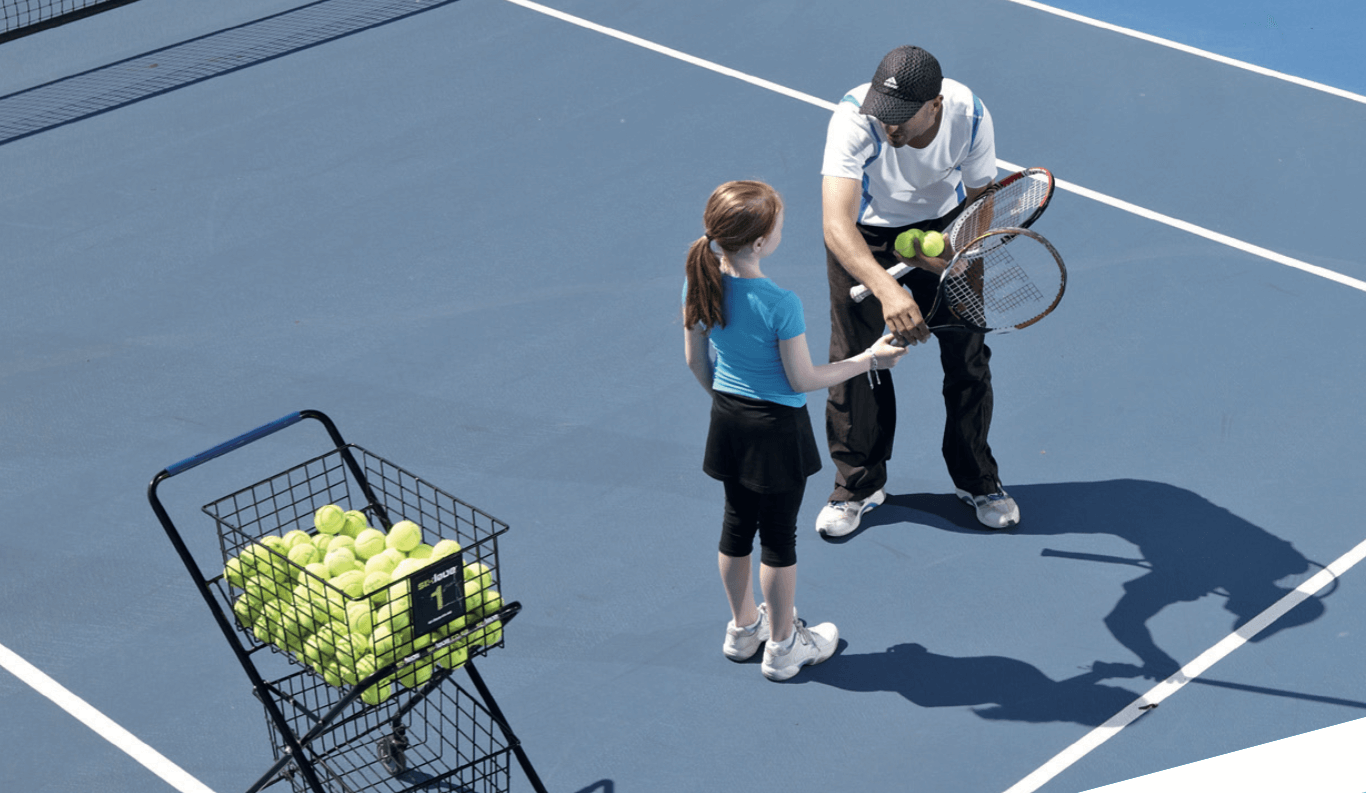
[(890, 82)]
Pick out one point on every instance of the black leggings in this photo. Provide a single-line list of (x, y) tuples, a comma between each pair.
[(773, 516)]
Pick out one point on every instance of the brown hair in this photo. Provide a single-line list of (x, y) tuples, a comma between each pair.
[(737, 214)]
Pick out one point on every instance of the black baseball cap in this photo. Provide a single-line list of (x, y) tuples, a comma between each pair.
[(907, 78)]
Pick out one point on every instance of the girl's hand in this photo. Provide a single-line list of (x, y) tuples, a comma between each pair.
[(887, 351)]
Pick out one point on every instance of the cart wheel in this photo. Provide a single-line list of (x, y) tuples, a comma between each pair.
[(390, 750)]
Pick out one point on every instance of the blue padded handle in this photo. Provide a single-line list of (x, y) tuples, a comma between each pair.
[(236, 443)]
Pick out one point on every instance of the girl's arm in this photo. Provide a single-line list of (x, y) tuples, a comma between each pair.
[(697, 351), (804, 376)]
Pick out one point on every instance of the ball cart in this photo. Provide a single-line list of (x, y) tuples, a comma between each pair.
[(355, 659)]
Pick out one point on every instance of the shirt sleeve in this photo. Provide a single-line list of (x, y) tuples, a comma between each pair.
[(979, 168), (789, 319), (849, 145)]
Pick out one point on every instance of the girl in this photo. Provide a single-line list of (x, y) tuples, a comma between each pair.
[(760, 444)]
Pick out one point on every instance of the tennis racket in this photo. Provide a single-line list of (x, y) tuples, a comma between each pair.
[(991, 287), (1014, 202)]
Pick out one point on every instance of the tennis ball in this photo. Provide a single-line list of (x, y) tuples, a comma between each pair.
[(365, 666), (474, 595), (376, 585), (314, 574), (392, 617), (480, 574), (406, 568), (383, 562), (933, 244), (235, 572), (303, 554), (492, 602), (404, 536), (416, 674), (445, 548), (355, 523), (340, 560), (904, 239), (360, 618), (422, 551), (377, 693), (351, 583), (296, 536), (368, 543), (453, 656), (329, 519)]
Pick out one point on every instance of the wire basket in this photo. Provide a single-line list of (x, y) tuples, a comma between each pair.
[(439, 739), (436, 607)]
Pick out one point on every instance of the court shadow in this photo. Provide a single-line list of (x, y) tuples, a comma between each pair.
[(1186, 548), (993, 687)]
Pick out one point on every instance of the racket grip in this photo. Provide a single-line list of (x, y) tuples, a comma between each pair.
[(860, 292)]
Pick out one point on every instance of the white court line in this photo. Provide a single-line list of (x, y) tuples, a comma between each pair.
[(103, 726), (1134, 209), (1151, 39), (1192, 670)]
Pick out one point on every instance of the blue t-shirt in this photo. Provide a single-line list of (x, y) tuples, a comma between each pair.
[(758, 314)]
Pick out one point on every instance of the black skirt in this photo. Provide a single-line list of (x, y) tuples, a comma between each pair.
[(767, 447)]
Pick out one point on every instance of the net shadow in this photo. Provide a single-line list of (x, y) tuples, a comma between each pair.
[(151, 74)]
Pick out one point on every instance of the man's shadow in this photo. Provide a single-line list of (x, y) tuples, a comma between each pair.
[(1187, 548)]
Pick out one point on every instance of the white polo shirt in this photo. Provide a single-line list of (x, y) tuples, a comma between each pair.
[(905, 185)]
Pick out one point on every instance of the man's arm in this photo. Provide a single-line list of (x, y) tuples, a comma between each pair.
[(839, 208)]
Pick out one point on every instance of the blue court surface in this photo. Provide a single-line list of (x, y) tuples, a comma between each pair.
[(458, 229)]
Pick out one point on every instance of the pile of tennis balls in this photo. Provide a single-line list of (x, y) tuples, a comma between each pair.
[(338, 600)]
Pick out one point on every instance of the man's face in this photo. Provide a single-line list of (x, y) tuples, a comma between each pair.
[(922, 122)]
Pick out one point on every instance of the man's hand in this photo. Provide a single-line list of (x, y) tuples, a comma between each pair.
[(902, 315)]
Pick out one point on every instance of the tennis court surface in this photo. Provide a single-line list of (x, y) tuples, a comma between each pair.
[(458, 228)]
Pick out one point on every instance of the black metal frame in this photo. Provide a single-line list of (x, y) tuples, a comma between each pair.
[(302, 700)]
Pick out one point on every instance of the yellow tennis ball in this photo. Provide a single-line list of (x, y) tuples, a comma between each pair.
[(903, 242), (375, 586), (444, 548), (355, 523), (933, 245), (404, 536), (368, 543), (340, 560), (479, 573), (384, 561), (351, 582), (303, 554), (329, 519)]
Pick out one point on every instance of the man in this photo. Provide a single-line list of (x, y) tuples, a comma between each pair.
[(908, 150)]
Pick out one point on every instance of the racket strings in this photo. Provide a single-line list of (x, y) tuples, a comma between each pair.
[(1005, 286), (1005, 206)]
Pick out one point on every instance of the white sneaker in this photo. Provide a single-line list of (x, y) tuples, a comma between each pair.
[(805, 646), (994, 510), (838, 518), (742, 643)]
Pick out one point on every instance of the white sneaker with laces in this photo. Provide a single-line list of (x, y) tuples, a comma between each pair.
[(805, 646), (742, 643), (994, 510), (839, 518)]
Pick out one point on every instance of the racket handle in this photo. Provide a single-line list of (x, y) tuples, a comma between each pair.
[(859, 293)]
